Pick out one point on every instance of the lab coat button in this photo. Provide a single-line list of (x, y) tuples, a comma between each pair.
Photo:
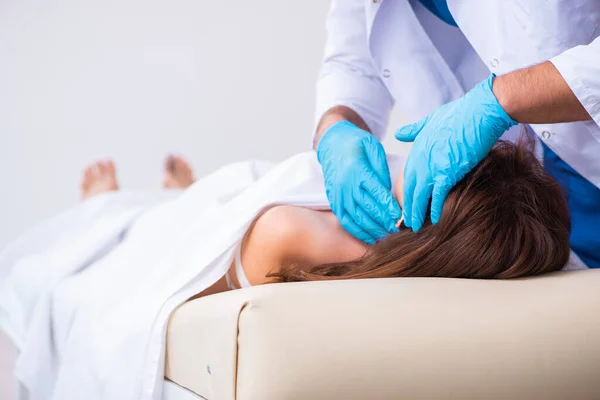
[(494, 63), (386, 73), (546, 135)]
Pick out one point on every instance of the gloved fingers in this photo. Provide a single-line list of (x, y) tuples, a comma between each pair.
[(378, 161), (438, 197), (379, 204), (368, 225), (332, 196), (371, 208), (408, 133), (421, 198), (335, 202), (349, 225), (355, 212), (408, 189)]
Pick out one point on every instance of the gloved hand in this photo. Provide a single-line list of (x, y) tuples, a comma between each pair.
[(448, 144), (357, 181)]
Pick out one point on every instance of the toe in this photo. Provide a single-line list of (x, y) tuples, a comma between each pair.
[(111, 174), (88, 173), (110, 168), (178, 163), (103, 168), (98, 177), (167, 182), (170, 163), (183, 167), (178, 173), (87, 176), (97, 170)]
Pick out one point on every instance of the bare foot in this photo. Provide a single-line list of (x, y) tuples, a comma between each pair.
[(178, 173), (98, 177)]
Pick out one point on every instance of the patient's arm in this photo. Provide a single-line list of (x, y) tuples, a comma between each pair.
[(289, 234)]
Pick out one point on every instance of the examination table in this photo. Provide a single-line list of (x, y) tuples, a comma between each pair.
[(427, 338), (402, 338)]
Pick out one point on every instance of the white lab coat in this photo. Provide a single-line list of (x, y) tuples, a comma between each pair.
[(380, 52)]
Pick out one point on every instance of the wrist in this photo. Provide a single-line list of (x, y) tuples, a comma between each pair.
[(335, 115), (538, 95), (502, 100), (332, 133), (502, 95)]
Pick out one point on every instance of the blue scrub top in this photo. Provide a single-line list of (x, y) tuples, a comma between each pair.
[(583, 198), (440, 9)]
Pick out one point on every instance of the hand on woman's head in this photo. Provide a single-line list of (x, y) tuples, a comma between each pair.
[(507, 218)]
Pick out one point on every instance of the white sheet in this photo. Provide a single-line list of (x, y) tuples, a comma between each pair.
[(87, 295)]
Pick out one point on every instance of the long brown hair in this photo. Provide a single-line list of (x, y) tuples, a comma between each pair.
[(507, 218)]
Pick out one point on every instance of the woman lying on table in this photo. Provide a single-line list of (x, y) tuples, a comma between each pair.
[(506, 219)]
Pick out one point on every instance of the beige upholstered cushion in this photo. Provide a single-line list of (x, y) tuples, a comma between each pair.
[(536, 338)]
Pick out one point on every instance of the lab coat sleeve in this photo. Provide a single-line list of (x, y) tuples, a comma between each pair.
[(348, 76), (580, 67)]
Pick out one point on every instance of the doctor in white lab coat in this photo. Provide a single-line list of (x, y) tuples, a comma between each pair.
[(464, 71)]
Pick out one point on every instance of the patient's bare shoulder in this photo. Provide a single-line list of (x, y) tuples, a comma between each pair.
[(285, 234)]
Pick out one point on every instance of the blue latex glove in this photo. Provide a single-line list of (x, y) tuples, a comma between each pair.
[(357, 181), (448, 144)]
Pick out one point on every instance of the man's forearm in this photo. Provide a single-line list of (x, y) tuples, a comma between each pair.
[(337, 114), (538, 95)]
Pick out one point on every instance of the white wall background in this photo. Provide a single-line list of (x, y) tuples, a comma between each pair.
[(217, 81)]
